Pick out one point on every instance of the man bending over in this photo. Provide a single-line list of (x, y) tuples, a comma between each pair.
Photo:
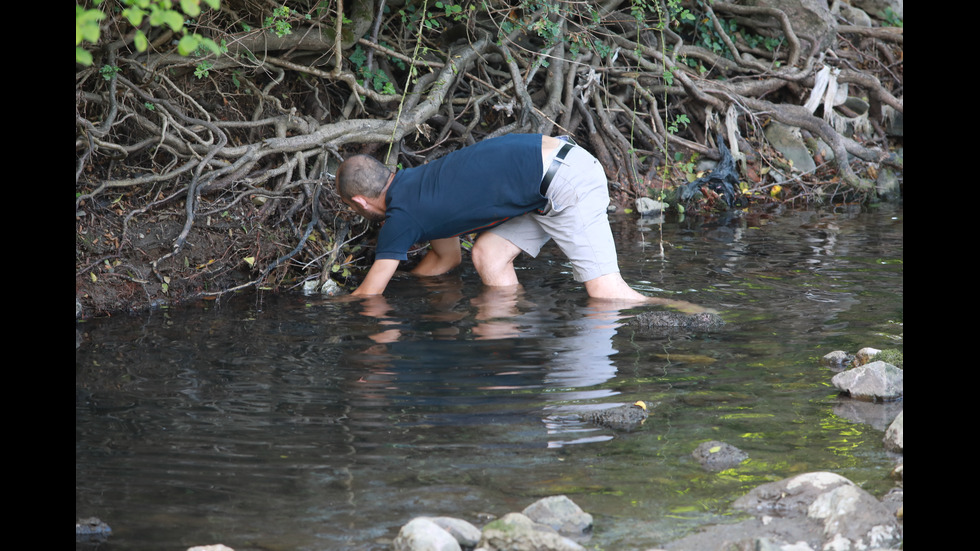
[(518, 191)]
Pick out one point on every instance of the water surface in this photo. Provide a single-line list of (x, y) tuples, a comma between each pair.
[(305, 423)]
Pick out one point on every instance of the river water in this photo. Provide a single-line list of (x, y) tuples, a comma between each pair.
[(306, 423)]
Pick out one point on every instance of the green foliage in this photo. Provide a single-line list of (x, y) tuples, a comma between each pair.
[(86, 30), (451, 11), (700, 31), (108, 71), (686, 166), (891, 17), (203, 69), (279, 23), (678, 121), (893, 356), (157, 13), (378, 79)]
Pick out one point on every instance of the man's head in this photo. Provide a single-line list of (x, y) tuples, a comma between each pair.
[(361, 182)]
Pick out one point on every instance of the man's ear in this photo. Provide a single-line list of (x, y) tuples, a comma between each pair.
[(360, 200)]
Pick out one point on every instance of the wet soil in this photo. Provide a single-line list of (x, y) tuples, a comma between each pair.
[(130, 266)]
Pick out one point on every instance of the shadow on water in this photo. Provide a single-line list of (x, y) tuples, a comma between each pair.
[(290, 422)]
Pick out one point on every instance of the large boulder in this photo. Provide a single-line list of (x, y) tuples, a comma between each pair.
[(811, 20), (876, 381), (849, 517)]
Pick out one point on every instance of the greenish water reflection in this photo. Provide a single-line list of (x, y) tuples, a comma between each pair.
[(292, 422)]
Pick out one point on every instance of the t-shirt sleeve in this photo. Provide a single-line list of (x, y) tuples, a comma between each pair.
[(397, 236)]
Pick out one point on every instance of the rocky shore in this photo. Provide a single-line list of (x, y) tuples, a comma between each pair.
[(808, 512)]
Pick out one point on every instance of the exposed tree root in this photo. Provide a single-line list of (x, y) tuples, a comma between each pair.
[(226, 162)]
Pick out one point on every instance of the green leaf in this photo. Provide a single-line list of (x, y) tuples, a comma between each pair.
[(87, 26), (170, 18), (134, 15), (210, 44), (83, 56), (187, 44), (140, 41), (191, 7)]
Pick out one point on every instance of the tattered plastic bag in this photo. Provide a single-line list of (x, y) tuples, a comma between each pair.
[(723, 180)]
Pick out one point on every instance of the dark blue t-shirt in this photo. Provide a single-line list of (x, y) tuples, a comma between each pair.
[(468, 190)]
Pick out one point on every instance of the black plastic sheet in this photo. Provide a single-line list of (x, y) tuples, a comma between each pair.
[(723, 180)]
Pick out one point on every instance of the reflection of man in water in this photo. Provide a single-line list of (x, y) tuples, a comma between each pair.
[(570, 355), (519, 190)]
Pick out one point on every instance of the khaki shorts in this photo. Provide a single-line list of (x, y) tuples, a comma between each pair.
[(575, 217)]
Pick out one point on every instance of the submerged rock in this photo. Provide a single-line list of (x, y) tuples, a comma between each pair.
[(718, 456), (91, 530), (625, 418), (670, 319)]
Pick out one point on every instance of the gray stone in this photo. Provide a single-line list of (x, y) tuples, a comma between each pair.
[(421, 534), (838, 359), (855, 16), (887, 185), (874, 381), (853, 519), (91, 530), (622, 418), (857, 105), (894, 439), (464, 532), (671, 319), (718, 456), (329, 288), (790, 497), (516, 532), (896, 124), (788, 141), (878, 7), (811, 19), (812, 511), (562, 514), (649, 207)]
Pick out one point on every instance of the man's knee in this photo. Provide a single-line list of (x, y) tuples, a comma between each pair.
[(493, 257), (487, 255)]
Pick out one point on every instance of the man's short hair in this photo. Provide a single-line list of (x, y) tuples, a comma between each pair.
[(362, 175)]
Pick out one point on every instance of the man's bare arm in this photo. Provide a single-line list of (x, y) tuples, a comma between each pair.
[(377, 277), (443, 255)]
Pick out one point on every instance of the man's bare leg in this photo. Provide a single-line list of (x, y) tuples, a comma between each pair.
[(493, 257)]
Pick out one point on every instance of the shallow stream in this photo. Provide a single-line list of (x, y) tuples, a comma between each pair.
[(289, 422)]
